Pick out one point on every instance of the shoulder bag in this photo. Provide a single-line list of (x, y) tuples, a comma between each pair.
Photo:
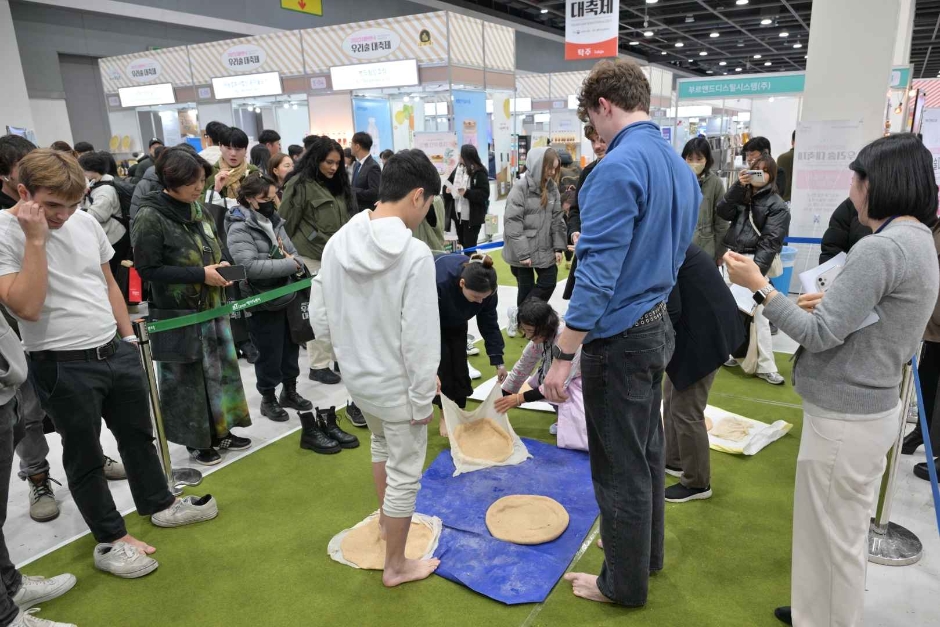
[(776, 266)]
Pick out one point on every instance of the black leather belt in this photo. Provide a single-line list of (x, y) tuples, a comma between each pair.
[(652, 315), (92, 354)]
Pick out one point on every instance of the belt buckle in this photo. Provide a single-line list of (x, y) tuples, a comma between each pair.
[(99, 352)]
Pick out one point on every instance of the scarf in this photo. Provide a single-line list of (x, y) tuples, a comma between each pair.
[(235, 178)]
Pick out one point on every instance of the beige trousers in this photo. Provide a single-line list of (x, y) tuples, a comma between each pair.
[(319, 352), (403, 447)]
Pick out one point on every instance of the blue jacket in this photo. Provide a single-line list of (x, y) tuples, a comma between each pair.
[(639, 208), (456, 310)]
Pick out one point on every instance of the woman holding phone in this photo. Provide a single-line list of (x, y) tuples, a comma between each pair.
[(177, 249)]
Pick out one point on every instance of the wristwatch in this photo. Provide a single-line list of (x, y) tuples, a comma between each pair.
[(761, 295), (557, 354)]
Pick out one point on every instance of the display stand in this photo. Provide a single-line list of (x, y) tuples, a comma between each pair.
[(888, 543), (179, 477)]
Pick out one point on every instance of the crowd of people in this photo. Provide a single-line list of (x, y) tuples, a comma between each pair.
[(655, 241)]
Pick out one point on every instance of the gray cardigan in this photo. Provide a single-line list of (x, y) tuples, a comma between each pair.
[(12, 363), (530, 230), (895, 273)]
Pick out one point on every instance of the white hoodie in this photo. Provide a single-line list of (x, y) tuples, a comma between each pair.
[(375, 299)]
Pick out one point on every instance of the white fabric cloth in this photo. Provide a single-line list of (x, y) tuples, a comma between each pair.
[(105, 206), (766, 363), (375, 299), (77, 313), (838, 473), (319, 351), (403, 447)]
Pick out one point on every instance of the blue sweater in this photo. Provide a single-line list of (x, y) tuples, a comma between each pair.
[(456, 310), (639, 208)]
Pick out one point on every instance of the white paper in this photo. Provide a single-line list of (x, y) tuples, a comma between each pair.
[(744, 298), (483, 391), (808, 283)]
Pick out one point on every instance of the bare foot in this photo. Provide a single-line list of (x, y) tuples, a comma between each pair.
[(600, 543), (411, 570), (443, 428), (585, 586), (140, 544)]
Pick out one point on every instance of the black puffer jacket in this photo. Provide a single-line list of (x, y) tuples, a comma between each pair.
[(771, 216), (843, 232)]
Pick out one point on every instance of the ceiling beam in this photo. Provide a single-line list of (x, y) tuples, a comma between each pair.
[(795, 14), (701, 2)]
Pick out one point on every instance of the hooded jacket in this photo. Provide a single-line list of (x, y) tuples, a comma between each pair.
[(771, 216), (376, 302), (531, 231), (150, 182)]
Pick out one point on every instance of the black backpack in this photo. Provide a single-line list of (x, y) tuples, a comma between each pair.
[(125, 192)]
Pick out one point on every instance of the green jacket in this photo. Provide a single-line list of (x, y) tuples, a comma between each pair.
[(173, 242), (710, 230), (785, 163), (312, 215), (433, 235)]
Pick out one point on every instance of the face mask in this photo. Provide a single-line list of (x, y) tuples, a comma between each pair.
[(266, 209), (698, 168)]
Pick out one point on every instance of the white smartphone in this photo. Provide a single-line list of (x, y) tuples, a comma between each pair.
[(756, 175), (824, 280)]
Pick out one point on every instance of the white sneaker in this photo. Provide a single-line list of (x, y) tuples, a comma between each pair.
[(26, 618), (773, 378), (35, 590), (732, 363), (513, 322), (114, 470), (553, 429), (186, 511), (124, 560), (472, 349), (474, 373)]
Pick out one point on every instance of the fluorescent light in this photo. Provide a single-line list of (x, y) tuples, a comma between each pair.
[(757, 56), (766, 21), (634, 43), (767, 63), (709, 72), (257, 109), (679, 44), (723, 63), (651, 1), (703, 54), (784, 34), (544, 11), (741, 3), (737, 69), (374, 75), (247, 86), (797, 45), (663, 52), (287, 105), (648, 33), (715, 35), (147, 95)]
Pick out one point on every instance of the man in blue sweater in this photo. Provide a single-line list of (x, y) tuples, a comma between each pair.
[(638, 211)]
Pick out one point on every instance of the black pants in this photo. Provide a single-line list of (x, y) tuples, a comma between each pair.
[(542, 289), (10, 578), (270, 333), (623, 378), (467, 235), (77, 395), (453, 370), (928, 368), (122, 251)]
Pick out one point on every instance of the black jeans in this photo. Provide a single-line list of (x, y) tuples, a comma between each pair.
[(468, 236), (528, 286), (77, 395), (623, 378), (10, 578), (277, 363)]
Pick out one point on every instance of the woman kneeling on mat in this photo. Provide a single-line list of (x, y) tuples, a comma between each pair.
[(540, 325), (466, 289)]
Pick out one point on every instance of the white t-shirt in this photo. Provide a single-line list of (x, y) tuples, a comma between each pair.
[(77, 313)]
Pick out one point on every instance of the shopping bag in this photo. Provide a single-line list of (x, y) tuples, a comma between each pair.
[(298, 318), (135, 290), (572, 427), (749, 364)]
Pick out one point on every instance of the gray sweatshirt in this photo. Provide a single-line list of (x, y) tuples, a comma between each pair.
[(894, 273), (12, 362)]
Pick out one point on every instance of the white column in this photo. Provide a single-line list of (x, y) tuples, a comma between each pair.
[(14, 105), (902, 45)]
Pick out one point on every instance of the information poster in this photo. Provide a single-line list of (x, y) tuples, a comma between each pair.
[(441, 148), (502, 141), (403, 123), (930, 130), (471, 120), (373, 116), (592, 29)]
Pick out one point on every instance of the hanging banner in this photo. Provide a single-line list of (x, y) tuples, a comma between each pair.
[(441, 149), (592, 29), (403, 123), (471, 120), (930, 130), (372, 116)]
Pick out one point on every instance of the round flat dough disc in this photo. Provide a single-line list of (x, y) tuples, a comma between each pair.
[(708, 423), (732, 429), (526, 519), (484, 439), (364, 548)]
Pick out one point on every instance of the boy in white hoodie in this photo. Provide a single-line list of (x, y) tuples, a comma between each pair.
[(377, 305)]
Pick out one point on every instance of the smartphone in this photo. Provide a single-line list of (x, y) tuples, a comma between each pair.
[(756, 175), (232, 273), (824, 280)]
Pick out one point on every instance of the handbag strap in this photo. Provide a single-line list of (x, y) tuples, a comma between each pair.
[(750, 217)]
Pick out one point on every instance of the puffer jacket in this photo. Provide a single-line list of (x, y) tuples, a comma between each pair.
[(711, 228), (530, 230), (312, 215), (844, 231), (250, 246), (150, 182), (771, 216)]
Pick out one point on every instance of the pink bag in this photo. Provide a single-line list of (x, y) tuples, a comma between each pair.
[(572, 428)]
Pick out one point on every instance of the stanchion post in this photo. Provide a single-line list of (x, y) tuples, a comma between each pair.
[(180, 477)]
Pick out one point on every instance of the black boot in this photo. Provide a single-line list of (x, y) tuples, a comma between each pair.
[(783, 615), (911, 441), (328, 423), (271, 408), (290, 397), (313, 438), (355, 416), (324, 375)]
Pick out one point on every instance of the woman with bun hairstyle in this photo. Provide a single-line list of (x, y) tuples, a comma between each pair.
[(466, 288)]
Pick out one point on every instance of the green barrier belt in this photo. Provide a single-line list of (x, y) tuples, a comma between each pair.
[(226, 309)]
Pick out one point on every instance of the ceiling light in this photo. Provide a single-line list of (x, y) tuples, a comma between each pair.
[(767, 63), (293, 106), (651, 1), (726, 73), (679, 44), (703, 54), (664, 52), (740, 44), (784, 34), (709, 72), (406, 99), (741, 3), (648, 33), (287, 105), (797, 45), (544, 11), (689, 19), (757, 56), (634, 43), (737, 69), (715, 35), (766, 21), (723, 63), (912, 93)]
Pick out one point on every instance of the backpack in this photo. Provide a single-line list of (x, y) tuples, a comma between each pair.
[(125, 192)]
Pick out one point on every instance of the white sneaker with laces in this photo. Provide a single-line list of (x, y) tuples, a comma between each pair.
[(186, 511), (472, 349), (27, 618), (513, 328), (474, 373), (773, 378), (35, 590), (124, 560)]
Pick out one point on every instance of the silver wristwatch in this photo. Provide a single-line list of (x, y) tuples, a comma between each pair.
[(761, 295)]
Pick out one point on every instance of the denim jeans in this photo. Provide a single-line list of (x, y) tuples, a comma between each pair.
[(623, 377), (543, 288), (10, 579)]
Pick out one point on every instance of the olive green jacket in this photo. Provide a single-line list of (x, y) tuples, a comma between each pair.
[(711, 228), (312, 215)]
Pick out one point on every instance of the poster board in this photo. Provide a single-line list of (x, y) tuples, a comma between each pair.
[(441, 148)]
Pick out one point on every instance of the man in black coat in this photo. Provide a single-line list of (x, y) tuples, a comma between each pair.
[(843, 232), (708, 329), (574, 212), (367, 174)]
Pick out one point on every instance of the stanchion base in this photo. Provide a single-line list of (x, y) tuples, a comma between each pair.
[(185, 477), (895, 546)]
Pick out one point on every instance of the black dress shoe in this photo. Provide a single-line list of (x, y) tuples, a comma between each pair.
[(920, 470), (290, 398), (355, 416), (313, 438), (325, 376), (270, 408), (911, 441), (336, 368), (327, 419), (783, 615)]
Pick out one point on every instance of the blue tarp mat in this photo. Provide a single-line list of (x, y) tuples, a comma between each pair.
[(507, 572)]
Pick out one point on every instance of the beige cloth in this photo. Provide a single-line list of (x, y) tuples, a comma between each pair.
[(319, 352), (403, 447)]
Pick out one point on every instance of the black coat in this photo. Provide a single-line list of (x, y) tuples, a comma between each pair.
[(771, 215), (574, 226), (478, 193), (366, 184), (843, 232), (705, 317)]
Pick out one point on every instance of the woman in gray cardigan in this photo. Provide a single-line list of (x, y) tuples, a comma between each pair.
[(849, 374)]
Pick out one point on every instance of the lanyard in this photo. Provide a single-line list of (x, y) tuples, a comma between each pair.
[(887, 222)]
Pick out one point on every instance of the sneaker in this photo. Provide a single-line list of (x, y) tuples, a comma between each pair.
[(124, 560), (42, 504), (27, 618), (732, 363), (186, 511), (474, 373), (355, 416), (205, 456), (114, 470), (773, 378), (325, 376), (472, 348), (921, 472), (680, 494), (292, 400), (327, 419), (232, 442), (270, 408), (673, 472), (513, 328), (553, 429), (784, 615), (35, 590)]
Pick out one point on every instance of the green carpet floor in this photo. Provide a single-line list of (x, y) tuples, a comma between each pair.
[(504, 274), (263, 562)]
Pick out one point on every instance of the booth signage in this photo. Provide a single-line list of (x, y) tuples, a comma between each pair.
[(204, 93), (441, 148), (143, 70), (311, 7), (371, 43), (244, 57), (375, 75), (765, 85), (247, 85), (318, 82), (900, 77), (147, 95), (114, 101), (592, 29)]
